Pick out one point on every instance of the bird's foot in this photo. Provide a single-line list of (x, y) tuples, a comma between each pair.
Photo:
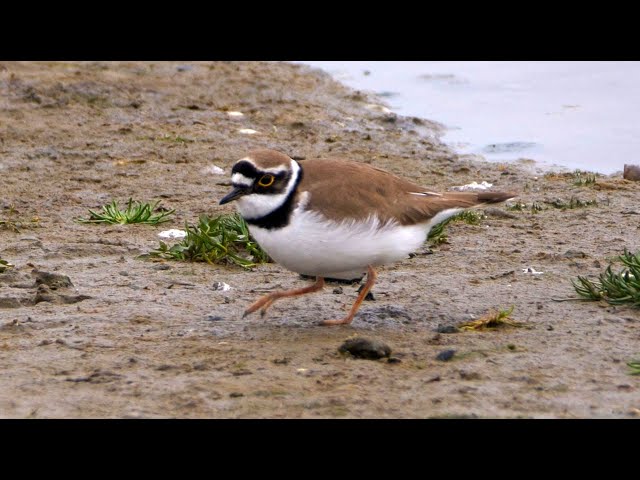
[(343, 321), (262, 304)]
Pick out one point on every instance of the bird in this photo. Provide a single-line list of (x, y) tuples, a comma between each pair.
[(336, 218)]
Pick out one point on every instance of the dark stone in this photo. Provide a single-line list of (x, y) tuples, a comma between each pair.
[(52, 280), (445, 355), (281, 361), (45, 294), (447, 329), (469, 375), (574, 254), (369, 296), (361, 347)]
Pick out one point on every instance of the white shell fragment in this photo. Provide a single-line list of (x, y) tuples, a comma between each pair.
[(532, 271), (247, 131), (473, 186), (221, 286), (173, 233), (235, 114), (212, 170), (377, 108)]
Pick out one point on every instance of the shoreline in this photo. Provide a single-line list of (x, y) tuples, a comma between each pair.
[(563, 121)]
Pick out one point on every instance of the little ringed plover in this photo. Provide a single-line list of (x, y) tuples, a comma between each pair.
[(336, 218)]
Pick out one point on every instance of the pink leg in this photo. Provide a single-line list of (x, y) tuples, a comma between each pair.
[(265, 301), (371, 279)]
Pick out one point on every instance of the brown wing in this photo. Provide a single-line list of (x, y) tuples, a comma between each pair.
[(344, 189)]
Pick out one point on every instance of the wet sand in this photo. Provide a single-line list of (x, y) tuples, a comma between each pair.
[(134, 338)]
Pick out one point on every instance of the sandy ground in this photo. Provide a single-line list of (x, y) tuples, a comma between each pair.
[(134, 338)]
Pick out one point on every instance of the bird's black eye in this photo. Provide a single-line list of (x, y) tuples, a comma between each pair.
[(266, 180)]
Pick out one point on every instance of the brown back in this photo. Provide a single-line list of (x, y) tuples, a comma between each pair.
[(344, 189)]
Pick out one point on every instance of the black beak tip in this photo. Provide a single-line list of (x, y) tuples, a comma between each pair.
[(232, 195)]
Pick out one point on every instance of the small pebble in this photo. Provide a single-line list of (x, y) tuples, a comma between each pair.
[(212, 170), (574, 254), (447, 329), (472, 186), (469, 375), (445, 355), (221, 286), (361, 347), (173, 233), (281, 361), (369, 296), (531, 270)]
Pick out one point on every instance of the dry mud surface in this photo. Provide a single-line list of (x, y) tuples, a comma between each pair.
[(124, 337)]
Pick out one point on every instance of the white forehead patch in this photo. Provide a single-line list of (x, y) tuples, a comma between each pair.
[(240, 179), (276, 170)]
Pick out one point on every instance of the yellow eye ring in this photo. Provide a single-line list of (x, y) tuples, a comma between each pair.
[(266, 180)]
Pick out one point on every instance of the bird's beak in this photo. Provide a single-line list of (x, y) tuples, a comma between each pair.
[(234, 194)]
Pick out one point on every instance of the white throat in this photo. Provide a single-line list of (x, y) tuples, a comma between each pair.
[(258, 205)]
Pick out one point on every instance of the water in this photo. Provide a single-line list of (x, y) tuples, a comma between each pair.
[(576, 115)]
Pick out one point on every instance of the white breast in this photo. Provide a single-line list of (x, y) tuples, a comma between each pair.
[(313, 245)]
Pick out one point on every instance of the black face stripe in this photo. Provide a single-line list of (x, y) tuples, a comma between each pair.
[(281, 216), (247, 169), (278, 185)]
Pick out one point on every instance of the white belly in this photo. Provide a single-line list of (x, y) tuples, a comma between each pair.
[(313, 245)]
